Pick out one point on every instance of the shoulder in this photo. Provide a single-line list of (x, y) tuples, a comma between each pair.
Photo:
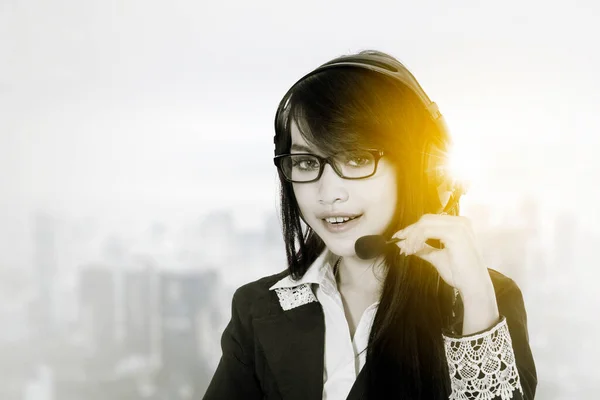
[(255, 298), (503, 285)]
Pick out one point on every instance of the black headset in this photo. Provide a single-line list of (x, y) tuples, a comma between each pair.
[(387, 65)]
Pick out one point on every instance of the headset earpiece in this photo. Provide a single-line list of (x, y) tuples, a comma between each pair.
[(437, 175)]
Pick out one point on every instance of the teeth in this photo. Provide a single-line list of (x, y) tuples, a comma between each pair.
[(333, 220)]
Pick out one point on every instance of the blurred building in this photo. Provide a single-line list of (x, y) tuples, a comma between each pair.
[(187, 305), (98, 307), (139, 302), (45, 260)]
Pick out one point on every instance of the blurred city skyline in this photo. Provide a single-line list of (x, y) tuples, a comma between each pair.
[(119, 309)]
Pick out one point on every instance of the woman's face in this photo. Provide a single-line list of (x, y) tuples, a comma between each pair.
[(373, 200)]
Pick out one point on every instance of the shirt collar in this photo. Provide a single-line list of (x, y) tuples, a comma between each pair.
[(319, 272)]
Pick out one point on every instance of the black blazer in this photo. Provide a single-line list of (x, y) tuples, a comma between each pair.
[(269, 353)]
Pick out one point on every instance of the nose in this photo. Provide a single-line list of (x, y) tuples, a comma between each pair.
[(332, 187)]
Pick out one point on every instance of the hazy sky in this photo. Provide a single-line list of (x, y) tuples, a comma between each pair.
[(146, 110)]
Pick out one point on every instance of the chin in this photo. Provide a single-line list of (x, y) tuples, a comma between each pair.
[(341, 244), (342, 252), (343, 247)]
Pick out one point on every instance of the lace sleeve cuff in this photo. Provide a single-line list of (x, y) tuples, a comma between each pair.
[(482, 366)]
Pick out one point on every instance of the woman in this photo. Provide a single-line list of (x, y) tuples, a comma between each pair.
[(360, 151)]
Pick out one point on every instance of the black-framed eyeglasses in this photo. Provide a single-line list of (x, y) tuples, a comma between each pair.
[(349, 164)]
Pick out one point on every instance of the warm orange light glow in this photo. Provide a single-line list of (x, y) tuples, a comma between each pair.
[(464, 160)]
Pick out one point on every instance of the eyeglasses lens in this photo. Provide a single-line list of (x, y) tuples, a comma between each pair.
[(305, 167)]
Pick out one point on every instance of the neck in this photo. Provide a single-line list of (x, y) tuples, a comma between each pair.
[(361, 275)]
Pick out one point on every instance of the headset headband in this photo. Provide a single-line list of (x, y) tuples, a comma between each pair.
[(383, 64), (386, 66)]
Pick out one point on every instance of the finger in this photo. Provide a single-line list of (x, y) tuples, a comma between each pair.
[(401, 246), (405, 247), (428, 253), (445, 228), (413, 243), (413, 237), (402, 233), (425, 252), (416, 236), (406, 231)]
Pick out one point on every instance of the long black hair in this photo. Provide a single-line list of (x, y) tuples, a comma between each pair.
[(349, 107)]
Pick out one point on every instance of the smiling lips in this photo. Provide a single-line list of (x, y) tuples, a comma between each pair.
[(325, 214), (340, 223), (333, 220)]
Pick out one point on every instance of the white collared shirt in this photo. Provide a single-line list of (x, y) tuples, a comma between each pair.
[(344, 356)]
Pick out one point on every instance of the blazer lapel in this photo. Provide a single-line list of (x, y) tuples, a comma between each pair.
[(293, 342), (358, 390)]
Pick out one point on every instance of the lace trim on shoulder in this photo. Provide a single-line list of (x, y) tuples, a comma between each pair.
[(295, 296), (483, 366)]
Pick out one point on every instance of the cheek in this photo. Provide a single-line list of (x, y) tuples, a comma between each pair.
[(383, 198), (303, 197)]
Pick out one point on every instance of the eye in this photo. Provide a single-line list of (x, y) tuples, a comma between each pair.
[(305, 163), (358, 159)]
